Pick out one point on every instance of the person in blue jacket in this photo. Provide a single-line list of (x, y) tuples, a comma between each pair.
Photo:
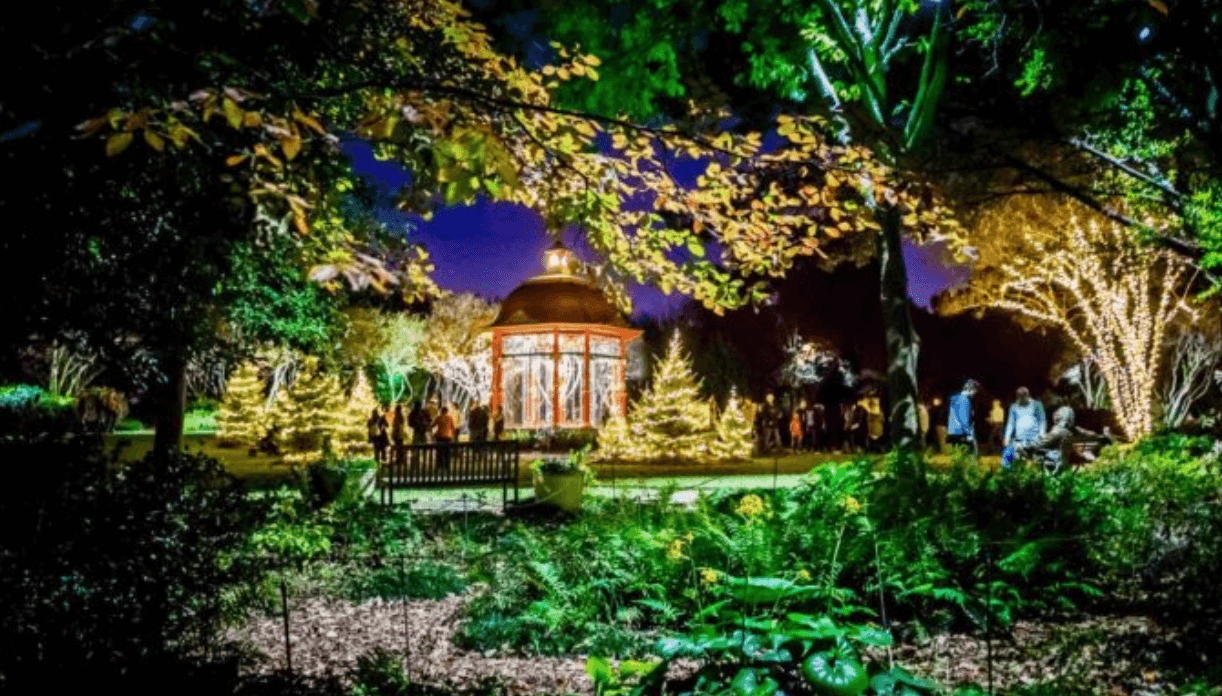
[(1025, 425), (959, 426)]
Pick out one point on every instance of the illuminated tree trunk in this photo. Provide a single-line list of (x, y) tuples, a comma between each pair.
[(903, 344)]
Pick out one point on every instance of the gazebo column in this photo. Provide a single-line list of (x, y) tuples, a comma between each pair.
[(497, 394), (556, 378), (585, 385), (622, 377)]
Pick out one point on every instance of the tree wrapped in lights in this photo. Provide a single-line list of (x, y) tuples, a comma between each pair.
[(670, 421), (1192, 362), (732, 432), (310, 414), (1053, 262), (244, 417), (457, 351), (350, 436)]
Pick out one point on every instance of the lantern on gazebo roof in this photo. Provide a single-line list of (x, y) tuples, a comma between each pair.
[(558, 351)]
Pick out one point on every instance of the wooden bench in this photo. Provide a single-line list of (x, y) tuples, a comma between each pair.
[(444, 465)]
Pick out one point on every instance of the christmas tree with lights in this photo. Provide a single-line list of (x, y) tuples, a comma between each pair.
[(244, 418), (310, 414), (733, 432), (671, 420), (350, 436)]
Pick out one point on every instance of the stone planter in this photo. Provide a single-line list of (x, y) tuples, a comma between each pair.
[(562, 490)]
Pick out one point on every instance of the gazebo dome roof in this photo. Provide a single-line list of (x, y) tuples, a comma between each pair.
[(558, 299)]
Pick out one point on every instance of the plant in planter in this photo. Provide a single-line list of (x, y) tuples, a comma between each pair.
[(562, 482)]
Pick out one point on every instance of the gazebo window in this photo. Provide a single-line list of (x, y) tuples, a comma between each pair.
[(604, 394)]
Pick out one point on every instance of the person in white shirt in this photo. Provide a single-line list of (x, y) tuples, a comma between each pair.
[(1026, 425)]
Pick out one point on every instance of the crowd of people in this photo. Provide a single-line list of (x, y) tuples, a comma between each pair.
[(1022, 431), (431, 423)]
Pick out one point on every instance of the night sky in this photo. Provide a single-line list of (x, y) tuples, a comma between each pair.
[(491, 247)]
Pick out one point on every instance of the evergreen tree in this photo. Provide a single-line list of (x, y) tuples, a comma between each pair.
[(671, 421), (615, 440), (310, 413), (733, 430), (350, 435), (244, 418)]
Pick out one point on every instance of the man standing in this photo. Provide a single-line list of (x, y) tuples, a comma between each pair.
[(445, 435), (477, 422), (1025, 425), (960, 428)]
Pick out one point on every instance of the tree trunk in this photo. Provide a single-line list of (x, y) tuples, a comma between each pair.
[(170, 402), (903, 344)]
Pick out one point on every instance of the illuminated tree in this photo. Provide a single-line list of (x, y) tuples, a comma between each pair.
[(310, 413), (457, 351), (350, 436), (244, 417), (1052, 262), (1193, 359), (398, 357), (425, 85), (671, 420), (733, 432)]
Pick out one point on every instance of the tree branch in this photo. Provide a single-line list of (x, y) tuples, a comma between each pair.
[(1160, 184)]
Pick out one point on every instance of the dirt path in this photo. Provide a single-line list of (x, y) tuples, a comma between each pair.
[(1116, 656)]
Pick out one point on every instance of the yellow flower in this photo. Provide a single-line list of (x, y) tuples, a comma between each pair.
[(708, 576), (675, 551), (804, 575), (750, 506), (850, 503)]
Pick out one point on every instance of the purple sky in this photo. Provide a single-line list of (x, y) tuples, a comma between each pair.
[(490, 248)]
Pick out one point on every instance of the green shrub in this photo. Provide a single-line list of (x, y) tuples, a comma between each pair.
[(17, 397), (112, 574), (416, 580), (199, 420)]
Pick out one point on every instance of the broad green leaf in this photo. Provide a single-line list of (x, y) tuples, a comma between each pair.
[(599, 670)]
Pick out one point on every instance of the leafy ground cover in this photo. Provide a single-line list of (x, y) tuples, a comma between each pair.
[(881, 562)]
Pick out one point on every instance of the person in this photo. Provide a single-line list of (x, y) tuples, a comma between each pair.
[(1054, 445), (432, 409), (1025, 425), (809, 417), (477, 422), (419, 422), (795, 431), (923, 425), (378, 436), (818, 432), (874, 425), (444, 435), (498, 424), (960, 428), (396, 435), (997, 421), (772, 423), (857, 423)]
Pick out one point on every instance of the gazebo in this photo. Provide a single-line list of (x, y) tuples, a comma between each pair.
[(558, 351)]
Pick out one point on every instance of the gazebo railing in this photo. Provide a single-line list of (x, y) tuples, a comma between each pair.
[(441, 465)]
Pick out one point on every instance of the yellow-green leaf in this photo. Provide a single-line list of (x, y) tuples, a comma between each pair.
[(155, 141), (290, 146), (233, 113), (235, 160), (695, 247), (117, 143)]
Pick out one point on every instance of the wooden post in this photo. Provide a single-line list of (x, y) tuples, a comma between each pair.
[(555, 378), (585, 386), (497, 337), (622, 377)]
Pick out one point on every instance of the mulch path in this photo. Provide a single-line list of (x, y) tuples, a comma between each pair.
[(1118, 656)]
